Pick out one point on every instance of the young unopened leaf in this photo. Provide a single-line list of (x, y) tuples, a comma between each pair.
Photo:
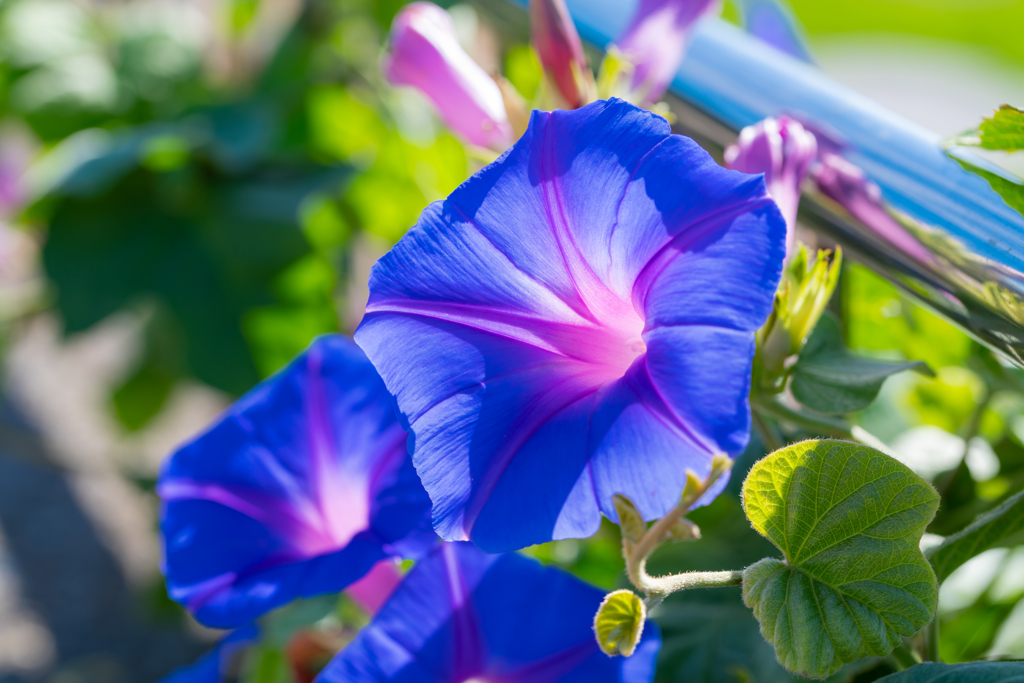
[(630, 520), (830, 379), (619, 623), (683, 530), (971, 672), (849, 520), (988, 531)]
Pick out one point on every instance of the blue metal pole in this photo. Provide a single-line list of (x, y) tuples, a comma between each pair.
[(960, 247)]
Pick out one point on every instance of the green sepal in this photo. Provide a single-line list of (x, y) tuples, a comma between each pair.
[(849, 521), (829, 379), (619, 623), (998, 527), (630, 520), (971, 672)]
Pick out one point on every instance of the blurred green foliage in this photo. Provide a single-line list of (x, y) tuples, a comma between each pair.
[(991, 24), (210, 173), (223, 169)]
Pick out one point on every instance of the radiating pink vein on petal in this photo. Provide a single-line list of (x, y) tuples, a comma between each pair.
[(296, 523), (469, 646), (341, 497)]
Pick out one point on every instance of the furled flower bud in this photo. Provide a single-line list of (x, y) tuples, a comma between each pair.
[(846, 184), (803, 294), (656, 40), (425, 53), (561, 53), (783, 150)]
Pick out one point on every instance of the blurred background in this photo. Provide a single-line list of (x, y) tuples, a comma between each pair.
[(191, 190)]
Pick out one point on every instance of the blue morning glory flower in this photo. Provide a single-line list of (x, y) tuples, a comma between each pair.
[(217, 665), (463, 616), (298, 490), (576, 320)]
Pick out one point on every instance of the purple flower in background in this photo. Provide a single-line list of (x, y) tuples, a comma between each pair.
[(576, 320), (300, 488), (424, 53), (558, 46), (784, 151), (774, 23), (656, 40), (219, 664), (462, 616)]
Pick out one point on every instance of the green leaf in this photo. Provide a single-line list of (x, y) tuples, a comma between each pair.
[(1004, 131), (1011, 191), (972, 672), (988, 531), (709, 636), (619, 623), (849, 521), (829, 379)]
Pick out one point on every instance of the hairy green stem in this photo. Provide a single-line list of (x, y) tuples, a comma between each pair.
[(666, 585), (636, 554)]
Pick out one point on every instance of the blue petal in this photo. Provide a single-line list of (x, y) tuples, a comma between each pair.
[(520, 325), (299, 489), (462, 614), (215, 666)]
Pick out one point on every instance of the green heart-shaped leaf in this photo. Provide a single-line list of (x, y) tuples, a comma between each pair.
[(994, 528), (620, 623), (972, 672), (849, 520)]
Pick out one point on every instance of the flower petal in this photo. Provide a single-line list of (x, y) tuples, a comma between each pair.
[(656, 40), (464, 615), (425, 54), (298, 490)]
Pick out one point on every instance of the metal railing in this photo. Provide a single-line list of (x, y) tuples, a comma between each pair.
[(943, 236)]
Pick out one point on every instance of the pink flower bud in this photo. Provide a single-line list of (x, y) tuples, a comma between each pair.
[(561, 53), (846, 184), (783, 150), (425, 53), (374, 589), (656, 41)]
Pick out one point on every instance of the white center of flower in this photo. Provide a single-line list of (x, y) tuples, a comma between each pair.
[(636, 346)]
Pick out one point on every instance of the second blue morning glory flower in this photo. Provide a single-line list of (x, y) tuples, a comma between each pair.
[(298, 490), (463, 616), (576, 320)]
